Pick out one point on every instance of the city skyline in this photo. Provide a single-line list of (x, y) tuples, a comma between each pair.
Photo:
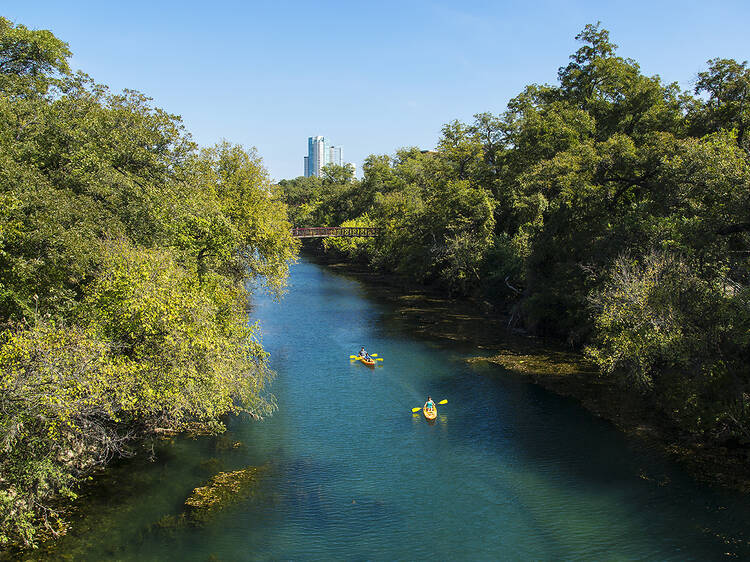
[(320, 153)]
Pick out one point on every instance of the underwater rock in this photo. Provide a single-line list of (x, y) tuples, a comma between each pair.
[(169, 525), (224, 489), (211, 465), (225, 443)]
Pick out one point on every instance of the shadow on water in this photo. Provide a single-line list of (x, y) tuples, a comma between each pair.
[(307, 489), (569, 447), (133, 512)]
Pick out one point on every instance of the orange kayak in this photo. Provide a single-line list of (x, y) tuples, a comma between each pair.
[(429, 413)]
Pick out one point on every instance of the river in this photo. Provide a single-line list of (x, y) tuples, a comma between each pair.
[(508, 470)]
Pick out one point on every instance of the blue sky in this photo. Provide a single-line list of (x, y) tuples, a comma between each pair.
[(370, 76)]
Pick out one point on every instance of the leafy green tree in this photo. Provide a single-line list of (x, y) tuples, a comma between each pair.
[(325, 201), (460, 148), (614, 92), (194, 358), (249, 231), (55, 404), (727, 84), (302, 196), (682, 340), (29, 59), (333, 174)]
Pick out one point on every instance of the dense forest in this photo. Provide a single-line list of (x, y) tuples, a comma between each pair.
[(124, 252), (610, 210)]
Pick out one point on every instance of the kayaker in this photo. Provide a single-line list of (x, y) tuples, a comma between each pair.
[(429, 405), (362, 352)]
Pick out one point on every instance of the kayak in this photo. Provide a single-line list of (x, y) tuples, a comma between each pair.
[(430, 413), (370, 363)]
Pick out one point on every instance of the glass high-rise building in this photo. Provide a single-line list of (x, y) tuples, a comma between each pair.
[(320, 153), (317, 156)]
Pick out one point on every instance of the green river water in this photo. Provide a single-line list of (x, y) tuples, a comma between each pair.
[(509, 471)]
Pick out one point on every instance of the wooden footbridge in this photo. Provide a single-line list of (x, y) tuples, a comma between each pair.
[(340, 231)]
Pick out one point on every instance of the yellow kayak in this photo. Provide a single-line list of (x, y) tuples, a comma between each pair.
[(429, 413), (370, 363)]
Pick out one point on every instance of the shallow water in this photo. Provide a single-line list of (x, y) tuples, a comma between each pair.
[(508, 471)]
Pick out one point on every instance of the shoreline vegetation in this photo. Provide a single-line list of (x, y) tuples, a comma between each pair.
[(124, 255), (549, 364)]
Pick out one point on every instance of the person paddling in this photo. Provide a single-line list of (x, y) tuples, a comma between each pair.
[(429, 405)]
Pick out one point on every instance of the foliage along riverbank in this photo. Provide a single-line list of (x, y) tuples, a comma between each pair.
[(428, 313), (608, 210), (124, 251)]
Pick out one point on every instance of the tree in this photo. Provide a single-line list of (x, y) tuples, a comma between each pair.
[(29, 59), (727, 84), (666, 332), (337, 174), (256, 236), (460, 148), (615, 93)]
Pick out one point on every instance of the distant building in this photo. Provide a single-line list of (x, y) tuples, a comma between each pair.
[(317, 156), (320, 153), (334, 155)]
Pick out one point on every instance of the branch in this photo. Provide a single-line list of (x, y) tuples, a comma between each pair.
[(734, 228), (129, 176), (627, 183), (511, 286)]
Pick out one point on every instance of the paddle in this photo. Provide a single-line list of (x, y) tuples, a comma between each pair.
[(420, 407), (373, 355)]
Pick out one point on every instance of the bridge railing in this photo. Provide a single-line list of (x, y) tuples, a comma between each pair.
[(326, 231)]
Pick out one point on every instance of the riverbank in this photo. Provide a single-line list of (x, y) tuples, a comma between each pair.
[(425, 312)]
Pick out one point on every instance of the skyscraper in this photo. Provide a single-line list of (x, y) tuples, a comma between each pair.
[(335, 155), (320, 153), (317, 156)]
